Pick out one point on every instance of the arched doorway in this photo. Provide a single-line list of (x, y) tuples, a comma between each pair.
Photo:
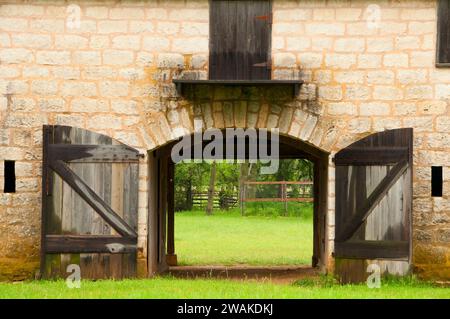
[(161, 195), (96, 212)]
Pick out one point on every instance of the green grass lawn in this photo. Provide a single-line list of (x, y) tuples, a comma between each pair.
[(227, 238), (167, 287)]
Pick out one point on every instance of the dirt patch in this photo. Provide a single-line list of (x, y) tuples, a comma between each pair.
[(275, 274)]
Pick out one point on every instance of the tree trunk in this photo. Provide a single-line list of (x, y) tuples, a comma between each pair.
[(252, 176), (189, 202), (242, 178), (212, 183)]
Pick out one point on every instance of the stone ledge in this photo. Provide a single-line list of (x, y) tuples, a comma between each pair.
[(181, 84)]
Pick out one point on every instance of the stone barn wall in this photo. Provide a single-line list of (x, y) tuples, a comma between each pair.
[(113, 75)]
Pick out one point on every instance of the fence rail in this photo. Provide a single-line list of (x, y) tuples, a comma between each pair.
[(307, 192), (200, 200), (279, 183)]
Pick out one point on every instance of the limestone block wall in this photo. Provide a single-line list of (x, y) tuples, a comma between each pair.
[(112, 73), (102, 74), (373, 64)]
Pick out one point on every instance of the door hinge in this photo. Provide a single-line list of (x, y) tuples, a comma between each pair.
[(268, 18), (267, 64)]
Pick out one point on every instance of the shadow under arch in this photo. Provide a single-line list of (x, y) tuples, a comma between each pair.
[(161, 192)]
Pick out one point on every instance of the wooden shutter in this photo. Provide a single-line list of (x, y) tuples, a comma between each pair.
[(373, 204), (240, 36), (89, 204), (443, 36)]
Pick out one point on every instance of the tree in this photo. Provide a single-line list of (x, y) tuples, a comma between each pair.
[(188, 178), (228, 178), (212, 183), (228, 181)]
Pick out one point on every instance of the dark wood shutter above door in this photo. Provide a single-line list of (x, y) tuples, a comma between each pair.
[(240, 36), (443, 36), (373, 203)]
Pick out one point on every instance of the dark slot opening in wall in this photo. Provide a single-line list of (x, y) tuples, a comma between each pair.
[(10, 177), (436, 181)]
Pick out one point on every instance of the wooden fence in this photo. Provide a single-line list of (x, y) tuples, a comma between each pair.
[(200, 200), (306, 193)]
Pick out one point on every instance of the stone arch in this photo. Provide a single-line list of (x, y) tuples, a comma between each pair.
[(160, 198), (298, 118)]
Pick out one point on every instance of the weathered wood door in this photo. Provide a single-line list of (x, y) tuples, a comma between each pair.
[(373, 205), (161, 210), (443, 34), (240, 37), (89, 204)]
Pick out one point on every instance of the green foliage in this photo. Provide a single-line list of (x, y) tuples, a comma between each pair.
[(188, 177), (290, 170), (227, 182), (194, 177), (227, 175)]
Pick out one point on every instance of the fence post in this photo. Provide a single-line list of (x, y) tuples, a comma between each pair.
[(284, 198), (243, 195)]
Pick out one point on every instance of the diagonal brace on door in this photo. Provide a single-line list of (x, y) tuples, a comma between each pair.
[(372, 201), (89, 195)]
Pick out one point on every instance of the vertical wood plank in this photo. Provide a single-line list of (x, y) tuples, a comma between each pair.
[(81, 212), (322, 211), (65, 261), (171, 209), (443, 37), (316, 222), (115, 262), (162, 213), (56, 207), (152, 241), (350, 270), (46, 139), (52, 265)]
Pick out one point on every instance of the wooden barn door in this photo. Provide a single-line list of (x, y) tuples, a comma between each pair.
[(373, 205), (240, 37), (161, 245), (89, 204)]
